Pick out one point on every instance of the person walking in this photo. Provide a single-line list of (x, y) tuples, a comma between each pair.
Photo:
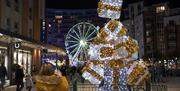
[(63, 70), (19, 75), (28, 82), (3, 74)]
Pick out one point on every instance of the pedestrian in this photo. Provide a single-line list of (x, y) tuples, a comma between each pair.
[(3, 74), (50, 79), (63, 70), (19, 75), (28, 82), (74, 81)]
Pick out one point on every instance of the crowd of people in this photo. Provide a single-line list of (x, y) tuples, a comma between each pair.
[(158, 72), (52, 78), (48, 79)]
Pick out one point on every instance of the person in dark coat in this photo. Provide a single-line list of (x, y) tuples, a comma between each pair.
[(63, 70), (3, 73), (19, 75)]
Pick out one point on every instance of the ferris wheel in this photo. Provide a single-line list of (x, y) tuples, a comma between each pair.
[(77, 40)]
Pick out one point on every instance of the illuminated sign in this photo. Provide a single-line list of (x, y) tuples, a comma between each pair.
[(17, 45)]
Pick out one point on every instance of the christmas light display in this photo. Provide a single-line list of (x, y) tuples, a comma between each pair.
[(110, 8), (113, 55), (77, 41)]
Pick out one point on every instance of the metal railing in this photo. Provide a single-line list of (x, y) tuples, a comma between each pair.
[(90, 87), (159, 87)]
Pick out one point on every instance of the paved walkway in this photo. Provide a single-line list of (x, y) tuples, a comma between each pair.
[(173, 84), (13, 88)]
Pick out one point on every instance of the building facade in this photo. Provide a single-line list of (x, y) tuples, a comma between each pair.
[(20, 33), (172, 29), (155, 26), (19, 17), (134, 23)]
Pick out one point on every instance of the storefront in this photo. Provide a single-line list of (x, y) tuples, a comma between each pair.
[(4, 56), (23, 58), (22, 52)]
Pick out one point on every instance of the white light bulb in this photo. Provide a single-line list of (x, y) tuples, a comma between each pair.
[(83, 43)]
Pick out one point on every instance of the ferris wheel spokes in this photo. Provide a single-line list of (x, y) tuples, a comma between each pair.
[(74, 50), (87, 31), (83, 30), (90, 39), (76, 34), (90, 34), (79, 29), (77, 53), (71, 41), (73, 37), (72, 46)]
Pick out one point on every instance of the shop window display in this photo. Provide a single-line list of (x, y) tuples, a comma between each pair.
[(3, 56), (23, 58)]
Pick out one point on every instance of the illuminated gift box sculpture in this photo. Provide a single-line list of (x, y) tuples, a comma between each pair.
[(110, 8), (113, 55), (137, 73)]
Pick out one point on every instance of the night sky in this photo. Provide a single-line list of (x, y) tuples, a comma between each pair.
[(90, 4), (77, 4), (71, 4)]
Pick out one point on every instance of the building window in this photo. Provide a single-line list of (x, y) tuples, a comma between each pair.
[(172, 45), (139, 8), (160, 9), (148, 40), (16, 5), (147, 33), (172, 36), (30, 33), (8, 23), (8, 3), (148, 25), (171, 22), (149, 47), (16, 27), (16, 1), (132, 11), (126, 14), (30, 13), (161, 39)]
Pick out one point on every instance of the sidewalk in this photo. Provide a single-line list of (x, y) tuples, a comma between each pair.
[(13, 88), (173, 84)]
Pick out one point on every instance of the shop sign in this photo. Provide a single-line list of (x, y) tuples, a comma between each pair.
[(17, 45)]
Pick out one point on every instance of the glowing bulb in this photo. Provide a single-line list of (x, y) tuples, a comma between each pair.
[(49, 25), (1, 34), (83, 42)]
